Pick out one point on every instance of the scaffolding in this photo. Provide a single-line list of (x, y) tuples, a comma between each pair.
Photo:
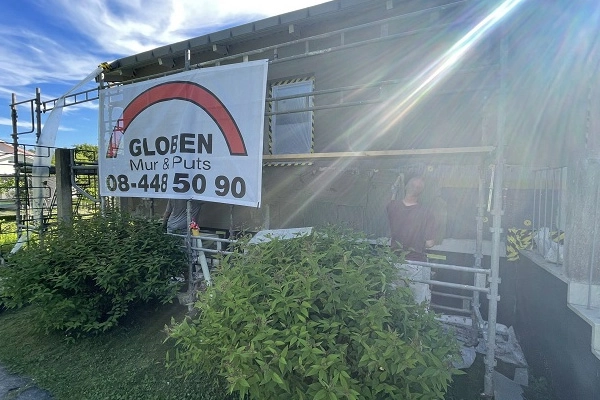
[(485, 280)]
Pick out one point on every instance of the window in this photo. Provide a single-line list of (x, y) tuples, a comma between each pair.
[(291, 132)]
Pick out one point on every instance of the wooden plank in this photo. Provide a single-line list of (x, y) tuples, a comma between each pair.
[(480, 150)]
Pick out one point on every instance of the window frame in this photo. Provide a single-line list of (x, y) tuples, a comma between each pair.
[(273, 113)]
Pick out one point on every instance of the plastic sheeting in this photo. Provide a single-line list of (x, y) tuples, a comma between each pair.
[(43, 156), (45, 147), (507, 345)]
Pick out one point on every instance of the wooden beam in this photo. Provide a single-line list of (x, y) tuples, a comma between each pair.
[(64, 195), (444, 151)]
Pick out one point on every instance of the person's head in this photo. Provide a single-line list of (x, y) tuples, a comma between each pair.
[(415, 187)]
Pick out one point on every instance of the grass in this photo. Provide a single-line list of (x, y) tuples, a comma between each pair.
[(129, 362), (125, 363)]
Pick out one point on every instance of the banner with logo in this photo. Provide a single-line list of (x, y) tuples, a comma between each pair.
[(194, 135)]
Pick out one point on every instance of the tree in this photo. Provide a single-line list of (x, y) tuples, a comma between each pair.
[(86, 153)]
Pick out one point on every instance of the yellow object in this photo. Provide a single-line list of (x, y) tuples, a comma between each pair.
[(517, 239), (432, 256), (105, 66), (195, 232)]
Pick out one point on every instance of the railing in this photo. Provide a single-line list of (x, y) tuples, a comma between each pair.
[(198, 247), (470, 303), (548, 214)]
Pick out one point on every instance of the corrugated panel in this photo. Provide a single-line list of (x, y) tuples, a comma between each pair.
[(161, 51), (242, 30), (266, 23), (220, 35), (145, 56), (294, 16), (351, 3), (198, 41), (125, 61), (323, 8)]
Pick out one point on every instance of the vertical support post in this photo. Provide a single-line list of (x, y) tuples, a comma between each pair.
[(188, 245), (38, 113), (101, 124), (267, 217), (562, 215), (490, 357), (231, 231), (38, 204), (546, 209), (478, 254), (188, 58), (555, 224), (14, 116), (552, 194), (533, 219), (64, 196), (124, 204), (593, 253)]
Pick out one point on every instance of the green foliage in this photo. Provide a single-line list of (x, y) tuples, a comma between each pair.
[(315, 317), (2, 306), (7, 184), (8, 236), (86, 153), (84, 277)]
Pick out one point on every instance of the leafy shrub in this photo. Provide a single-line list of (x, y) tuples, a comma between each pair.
[(315, 317), (8, 237), (2, 307), (84, 277)]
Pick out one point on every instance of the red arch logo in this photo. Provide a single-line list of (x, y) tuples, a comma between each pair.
[(187, 91)]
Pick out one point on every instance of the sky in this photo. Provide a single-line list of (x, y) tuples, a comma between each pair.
[(54, 44)]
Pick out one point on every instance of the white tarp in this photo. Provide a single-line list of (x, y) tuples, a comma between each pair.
[(44, 153), (194, 135)]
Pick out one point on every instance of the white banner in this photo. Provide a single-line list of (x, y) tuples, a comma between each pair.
[(194, 135)]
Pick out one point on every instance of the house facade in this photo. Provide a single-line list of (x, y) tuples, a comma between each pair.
[(362, 92), (7, 164)]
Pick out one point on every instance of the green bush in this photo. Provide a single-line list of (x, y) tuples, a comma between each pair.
[(315, 317), (2, 306), (84, 277), (8, 237)]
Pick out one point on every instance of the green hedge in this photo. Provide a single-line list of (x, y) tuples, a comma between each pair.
[(86, 276)]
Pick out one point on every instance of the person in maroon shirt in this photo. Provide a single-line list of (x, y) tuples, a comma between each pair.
[(412, 225)]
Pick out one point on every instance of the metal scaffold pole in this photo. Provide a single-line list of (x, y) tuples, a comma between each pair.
[(497, 211), (478, 279), (14, 118)]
